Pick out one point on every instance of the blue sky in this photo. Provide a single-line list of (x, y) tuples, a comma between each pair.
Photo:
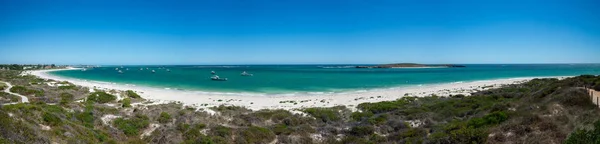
[(298, 31)]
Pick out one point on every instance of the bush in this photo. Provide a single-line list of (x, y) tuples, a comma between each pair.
[(358, 116), (324, 114), (51, 119), (132, 94), (193, 135), (127, 102), (28, 92), (362, 130), (385, 106), (87, 116), (581, 136), (101, 97), (597, 87), (164, 117), (221, 131), (132, 126), (490, 119), (65, 98), (257, 135), (67, 87)]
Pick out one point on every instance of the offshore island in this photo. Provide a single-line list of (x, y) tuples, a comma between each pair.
[(412, 65)]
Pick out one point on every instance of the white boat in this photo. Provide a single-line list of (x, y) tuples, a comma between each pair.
[(168, 70), (141, 68), (153, 71), (116, 68), (120, 71), (212, 72), (84, 69), (217, 78), (127, 69), (246, 74)]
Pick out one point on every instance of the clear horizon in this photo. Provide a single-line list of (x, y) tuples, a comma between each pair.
[(262, 32)]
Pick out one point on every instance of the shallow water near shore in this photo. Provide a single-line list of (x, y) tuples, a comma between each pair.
[(312, 79)]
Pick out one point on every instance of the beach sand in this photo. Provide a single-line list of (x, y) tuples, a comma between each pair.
[(203, 100)]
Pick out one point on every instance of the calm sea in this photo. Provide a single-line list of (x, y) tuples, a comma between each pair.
[(278, 79)]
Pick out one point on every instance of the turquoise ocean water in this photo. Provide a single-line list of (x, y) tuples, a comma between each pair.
[(280, 79)]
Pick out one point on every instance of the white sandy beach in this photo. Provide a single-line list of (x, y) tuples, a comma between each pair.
[(256, 102)]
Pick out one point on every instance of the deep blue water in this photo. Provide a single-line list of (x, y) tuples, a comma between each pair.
[(274, 79)]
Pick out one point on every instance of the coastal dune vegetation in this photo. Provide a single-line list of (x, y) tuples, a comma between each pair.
[(537, 111)]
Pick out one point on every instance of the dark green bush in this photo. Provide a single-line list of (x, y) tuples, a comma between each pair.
[(132, 94), (257, 135), (65, 98), (221, 131), (101, 97), (132, 126), (358, 116), (127, 102), (51, 119), (24, 91), (164, 117), (362, 130), (490, 119), (67, 87), (582, 136), (193, 135), (323, 114)]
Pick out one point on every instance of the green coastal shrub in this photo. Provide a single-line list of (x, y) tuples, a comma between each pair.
[(582, 136), (87, 116), (65, 98), (385, 106), (132, 94), (362, 130), (101, 97), (164, 117), (132, 126), (193, 135), (490, 119), (597, 87), (358, 116), (323, 114), (51, 119), (221, 131), (256, 135), (67, 87), (28, 92), (127, 102)]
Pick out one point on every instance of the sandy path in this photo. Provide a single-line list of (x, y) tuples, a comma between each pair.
[(24, 99)]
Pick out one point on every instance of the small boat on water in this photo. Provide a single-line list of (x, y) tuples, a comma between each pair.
[(84, 69), (116, 68), (246, 74), (141, 68), (153, 71), (127, 69), (212, 72), (217, 78), (168, 70), (120, 71)]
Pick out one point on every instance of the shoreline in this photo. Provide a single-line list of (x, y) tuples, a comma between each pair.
[(252, 101)]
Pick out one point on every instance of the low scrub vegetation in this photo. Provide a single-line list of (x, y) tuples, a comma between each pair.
[(28, 92), (101, 97)]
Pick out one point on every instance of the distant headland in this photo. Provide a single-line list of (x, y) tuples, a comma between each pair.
[(411, 65)]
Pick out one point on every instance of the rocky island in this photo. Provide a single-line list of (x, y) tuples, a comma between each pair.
[(411, 65)]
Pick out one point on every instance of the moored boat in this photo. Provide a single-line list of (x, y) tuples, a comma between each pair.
[(217, 78)]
